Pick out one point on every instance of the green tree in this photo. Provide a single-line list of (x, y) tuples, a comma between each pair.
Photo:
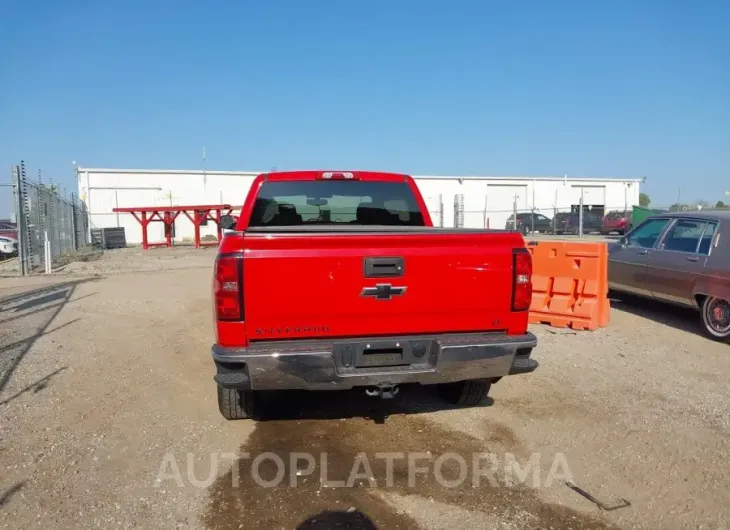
[(682, 207), (720, 204), (644, 200), (51, 188)]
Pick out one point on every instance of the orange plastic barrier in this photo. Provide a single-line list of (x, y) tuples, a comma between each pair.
[(569, 284)]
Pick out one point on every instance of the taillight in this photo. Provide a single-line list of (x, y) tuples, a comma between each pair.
[(521, 279), (228, 287)]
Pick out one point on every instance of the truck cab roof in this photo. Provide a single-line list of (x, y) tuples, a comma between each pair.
[(326, 174)]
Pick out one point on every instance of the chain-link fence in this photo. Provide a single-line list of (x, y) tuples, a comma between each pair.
[(607, 220), (576, 219), (8, 229), (48, 224)]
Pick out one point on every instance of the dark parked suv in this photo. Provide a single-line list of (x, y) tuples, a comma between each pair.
[(569, 223), (680, 258), (530, 222)]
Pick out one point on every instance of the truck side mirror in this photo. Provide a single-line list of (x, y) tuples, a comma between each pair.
[(228, 222)]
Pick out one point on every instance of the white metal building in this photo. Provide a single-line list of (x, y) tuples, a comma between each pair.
[(468, 201)]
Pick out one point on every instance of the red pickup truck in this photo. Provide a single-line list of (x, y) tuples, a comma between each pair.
[(336, 280)]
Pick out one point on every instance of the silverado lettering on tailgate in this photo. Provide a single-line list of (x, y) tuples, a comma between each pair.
[(297, 329)]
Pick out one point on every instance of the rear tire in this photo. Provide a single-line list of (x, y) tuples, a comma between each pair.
[(716, 318), (465, 393), (235, 404)]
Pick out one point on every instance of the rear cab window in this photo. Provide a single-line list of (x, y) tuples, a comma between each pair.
[(335, 202)]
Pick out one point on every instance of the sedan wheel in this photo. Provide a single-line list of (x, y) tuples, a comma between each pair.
[(716, 318)]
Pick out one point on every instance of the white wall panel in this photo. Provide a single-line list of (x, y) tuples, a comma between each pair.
[(484, 198), (501, 201), (592, 195)]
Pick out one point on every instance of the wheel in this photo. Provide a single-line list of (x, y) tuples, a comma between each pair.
[(468, 393), (235, 404), (716, 317)]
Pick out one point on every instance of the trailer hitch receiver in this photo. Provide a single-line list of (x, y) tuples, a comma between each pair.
[(384, 391)]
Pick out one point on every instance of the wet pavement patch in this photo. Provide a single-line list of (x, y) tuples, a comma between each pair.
[(322, 460)]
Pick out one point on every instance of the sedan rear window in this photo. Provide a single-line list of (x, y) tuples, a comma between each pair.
[(297, 203), (706, 241), (685, 236)]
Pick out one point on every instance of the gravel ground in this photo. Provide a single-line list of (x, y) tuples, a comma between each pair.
[(106, 382)]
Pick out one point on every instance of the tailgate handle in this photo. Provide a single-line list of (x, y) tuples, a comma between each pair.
[(383, 267)]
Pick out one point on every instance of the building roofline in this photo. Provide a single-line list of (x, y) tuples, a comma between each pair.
[(422, 177), (543, 178), (168, 171)]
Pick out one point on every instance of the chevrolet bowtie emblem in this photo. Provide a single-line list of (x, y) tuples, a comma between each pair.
[(383, 291)]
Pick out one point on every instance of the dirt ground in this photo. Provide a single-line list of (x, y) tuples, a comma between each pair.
[(106, 391)]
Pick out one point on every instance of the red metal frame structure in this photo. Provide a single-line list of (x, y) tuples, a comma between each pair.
[(167, 215)]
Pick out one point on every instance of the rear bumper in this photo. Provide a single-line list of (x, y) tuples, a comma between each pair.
[(337, 365)]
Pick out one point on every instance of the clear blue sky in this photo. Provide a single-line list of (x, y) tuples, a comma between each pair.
[(615, 88)]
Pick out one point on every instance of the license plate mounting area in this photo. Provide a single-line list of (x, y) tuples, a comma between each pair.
[(397, 354)]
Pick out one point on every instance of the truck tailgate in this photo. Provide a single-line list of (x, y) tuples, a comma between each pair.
[(300, 285)]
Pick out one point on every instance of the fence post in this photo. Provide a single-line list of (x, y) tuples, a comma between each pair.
[(74, 236), (441, 210), (47, 257), (485, 219), (580, 215), (533, 218), (459, 210), (25, 205), (20, 221)]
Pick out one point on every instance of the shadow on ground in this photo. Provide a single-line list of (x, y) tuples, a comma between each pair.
[(341, 404), (332, 520), (681, 318), (6, 495), (33, 311), (36, 386)]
